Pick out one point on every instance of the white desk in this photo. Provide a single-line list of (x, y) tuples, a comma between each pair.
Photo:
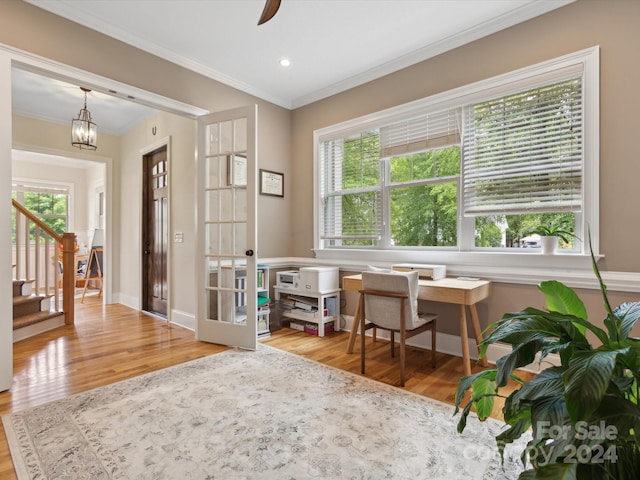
[(465, 293)]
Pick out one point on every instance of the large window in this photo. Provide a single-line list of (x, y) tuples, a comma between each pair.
[(50, 203), (475, 169)]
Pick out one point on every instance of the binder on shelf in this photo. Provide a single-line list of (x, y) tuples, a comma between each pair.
[(331, 305)]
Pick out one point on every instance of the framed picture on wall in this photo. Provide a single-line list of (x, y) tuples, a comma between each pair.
[(271, 183)]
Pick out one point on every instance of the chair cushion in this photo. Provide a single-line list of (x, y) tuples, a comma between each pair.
[(385, 311)]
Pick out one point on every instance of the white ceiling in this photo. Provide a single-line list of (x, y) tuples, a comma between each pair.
[(332, 45), (52, 100)]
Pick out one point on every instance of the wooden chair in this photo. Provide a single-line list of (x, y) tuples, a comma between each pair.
[(389, 301)]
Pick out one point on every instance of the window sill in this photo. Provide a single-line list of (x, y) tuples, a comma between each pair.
[(530, 268)]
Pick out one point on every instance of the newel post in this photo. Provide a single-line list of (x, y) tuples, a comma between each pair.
[(68, 276)]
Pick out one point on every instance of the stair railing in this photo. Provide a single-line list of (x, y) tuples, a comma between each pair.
[(36, 259)]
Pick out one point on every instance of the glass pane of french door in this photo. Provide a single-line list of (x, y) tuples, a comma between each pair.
[(227, 228)]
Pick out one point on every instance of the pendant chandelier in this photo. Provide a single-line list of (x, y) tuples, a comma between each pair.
[(84, 133)]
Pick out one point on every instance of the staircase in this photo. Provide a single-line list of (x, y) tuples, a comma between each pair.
[(44, 300), (32, 314)]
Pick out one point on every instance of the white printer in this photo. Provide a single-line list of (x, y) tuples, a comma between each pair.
[(310, 279)]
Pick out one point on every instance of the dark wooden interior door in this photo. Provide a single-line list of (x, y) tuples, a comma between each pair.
[(155, 235)]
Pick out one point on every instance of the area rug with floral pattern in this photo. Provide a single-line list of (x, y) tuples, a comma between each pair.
[(263, 414)]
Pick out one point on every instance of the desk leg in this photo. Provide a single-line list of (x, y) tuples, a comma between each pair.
[(354, 329), (475, 322), (466, 358)]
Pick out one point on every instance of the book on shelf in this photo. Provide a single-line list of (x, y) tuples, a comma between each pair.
[(305, 303), (304, 314), (305, 306), (260, 278)]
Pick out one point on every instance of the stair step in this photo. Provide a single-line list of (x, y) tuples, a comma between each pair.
[(31, 304), (17, 287), (33, 318), (22, 288)]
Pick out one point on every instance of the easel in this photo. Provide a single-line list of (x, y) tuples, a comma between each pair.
[(93, 258)]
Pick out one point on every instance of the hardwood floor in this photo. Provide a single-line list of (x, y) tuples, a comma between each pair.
[(113, 343)]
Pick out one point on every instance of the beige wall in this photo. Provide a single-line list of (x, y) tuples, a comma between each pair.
[(285, 138), (32, 30), (613, 25), (180, 133), (32, 135)]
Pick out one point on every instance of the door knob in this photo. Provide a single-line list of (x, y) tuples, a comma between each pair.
[(249, 253)]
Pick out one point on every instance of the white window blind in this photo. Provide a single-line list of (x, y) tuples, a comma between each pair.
[(523, 152), (425, 132), (350, 185)]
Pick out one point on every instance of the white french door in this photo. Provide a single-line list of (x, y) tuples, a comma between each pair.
[(227, 239)]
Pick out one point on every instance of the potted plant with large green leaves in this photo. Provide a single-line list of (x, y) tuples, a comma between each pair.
[(582, 415)]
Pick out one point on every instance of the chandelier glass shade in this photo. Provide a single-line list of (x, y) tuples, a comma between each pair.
[(84, 133)]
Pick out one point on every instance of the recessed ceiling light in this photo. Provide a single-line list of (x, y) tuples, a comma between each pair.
[(285, 62)]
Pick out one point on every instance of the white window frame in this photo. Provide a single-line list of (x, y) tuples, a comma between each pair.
[(466, 259), (39, 184)]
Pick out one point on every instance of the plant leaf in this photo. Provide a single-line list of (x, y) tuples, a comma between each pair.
[(548, 412), (562, 299), (465, 383), (557, 471), (622, 385), (547, 383), (462, 423), (514, 432), (522, 330), (603, 287), (613, 327), (521, 355), (586, 379), (538, 322), (527, 475), (628, 314), (620, 414), (484, 390), (513, 414)]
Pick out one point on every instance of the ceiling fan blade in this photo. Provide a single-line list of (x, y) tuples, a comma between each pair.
[(270, 9)]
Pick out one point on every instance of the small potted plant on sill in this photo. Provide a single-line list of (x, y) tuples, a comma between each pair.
[(583, 414), (549, 237)]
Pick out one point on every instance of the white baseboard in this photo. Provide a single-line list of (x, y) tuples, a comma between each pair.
[(127, 300), (451, 345), (184, 319)]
